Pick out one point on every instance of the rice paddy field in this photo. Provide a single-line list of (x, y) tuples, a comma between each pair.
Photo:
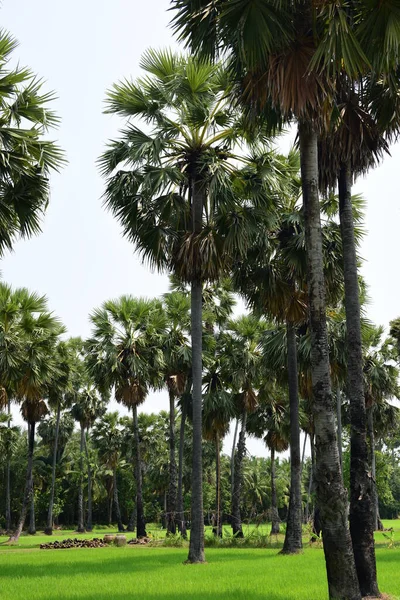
[(158, 572)]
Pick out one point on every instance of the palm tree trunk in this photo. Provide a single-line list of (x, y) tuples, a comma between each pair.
[(293, 536), (32, 520), (116, 502), (233, 455), (81, 526), (218, 529), (303, 454), (140, 519), (28, 484), (371, 434), (275, 520), (180, 513), (89, 522), (49, 526), (171, 505), (330, 492), (339, 425), (237, 482), (196, 547), (8, 478), (361, 493)]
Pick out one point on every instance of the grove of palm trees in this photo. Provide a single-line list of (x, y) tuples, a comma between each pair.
[(199, 368)]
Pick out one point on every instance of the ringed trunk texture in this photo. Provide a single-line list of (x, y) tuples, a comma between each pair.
[(8, 478), (196, 548), (293, 536), (116, 502), (237, 480), (81, 525), (89, 522), (233, 455), (218, 528), (32, 519), (339, 425), (140, 519), (371, 434), (172, 491), (275, 520), (49, 526), (330, 493), (28, 492), (181, 521), (361, 485)]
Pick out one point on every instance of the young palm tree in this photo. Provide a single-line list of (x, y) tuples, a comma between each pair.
[(125, 353), (179, 195)]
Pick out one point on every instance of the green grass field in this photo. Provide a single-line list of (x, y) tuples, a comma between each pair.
[(158, 573)]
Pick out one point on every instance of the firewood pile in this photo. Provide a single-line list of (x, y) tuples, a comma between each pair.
[(144, 540), (74, 543)]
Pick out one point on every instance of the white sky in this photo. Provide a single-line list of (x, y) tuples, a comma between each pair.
[(81, 48)]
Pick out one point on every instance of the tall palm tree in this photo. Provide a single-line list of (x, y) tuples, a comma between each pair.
[(88, 406), (8, 439), (26, 157), (177, 360), (58, 399), (40, 333), (125, 353), (179, 196), (107, 437), (287, 57)]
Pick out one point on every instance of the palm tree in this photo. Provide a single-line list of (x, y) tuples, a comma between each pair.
[(26, 157), (8, 438), (125, 353), (381, 386), (177, 360), (181, 202), (287, 57), (243, 357), (40, 332), (87, 408), (107, 437), (58, 399)]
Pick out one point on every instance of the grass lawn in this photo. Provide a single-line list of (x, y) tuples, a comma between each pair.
[(158, 573)]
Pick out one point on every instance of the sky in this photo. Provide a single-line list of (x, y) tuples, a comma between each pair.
[(80, 48)]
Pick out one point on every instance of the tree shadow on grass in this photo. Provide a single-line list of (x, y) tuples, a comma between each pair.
[(238, 594), (110, 565)]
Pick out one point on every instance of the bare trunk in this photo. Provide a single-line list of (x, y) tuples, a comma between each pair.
[(81, 525), (218, 529), (28, 484), (140, 519), (49, 526), (330, 492), (293, 536), (361, 486), (339, 425), (89, 522), (237, 481), (275, 520), (196, 547), (303, 454), (181, 520), (116, 502), (32, 519), (233, 455), (8, 478), (171, 504)]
